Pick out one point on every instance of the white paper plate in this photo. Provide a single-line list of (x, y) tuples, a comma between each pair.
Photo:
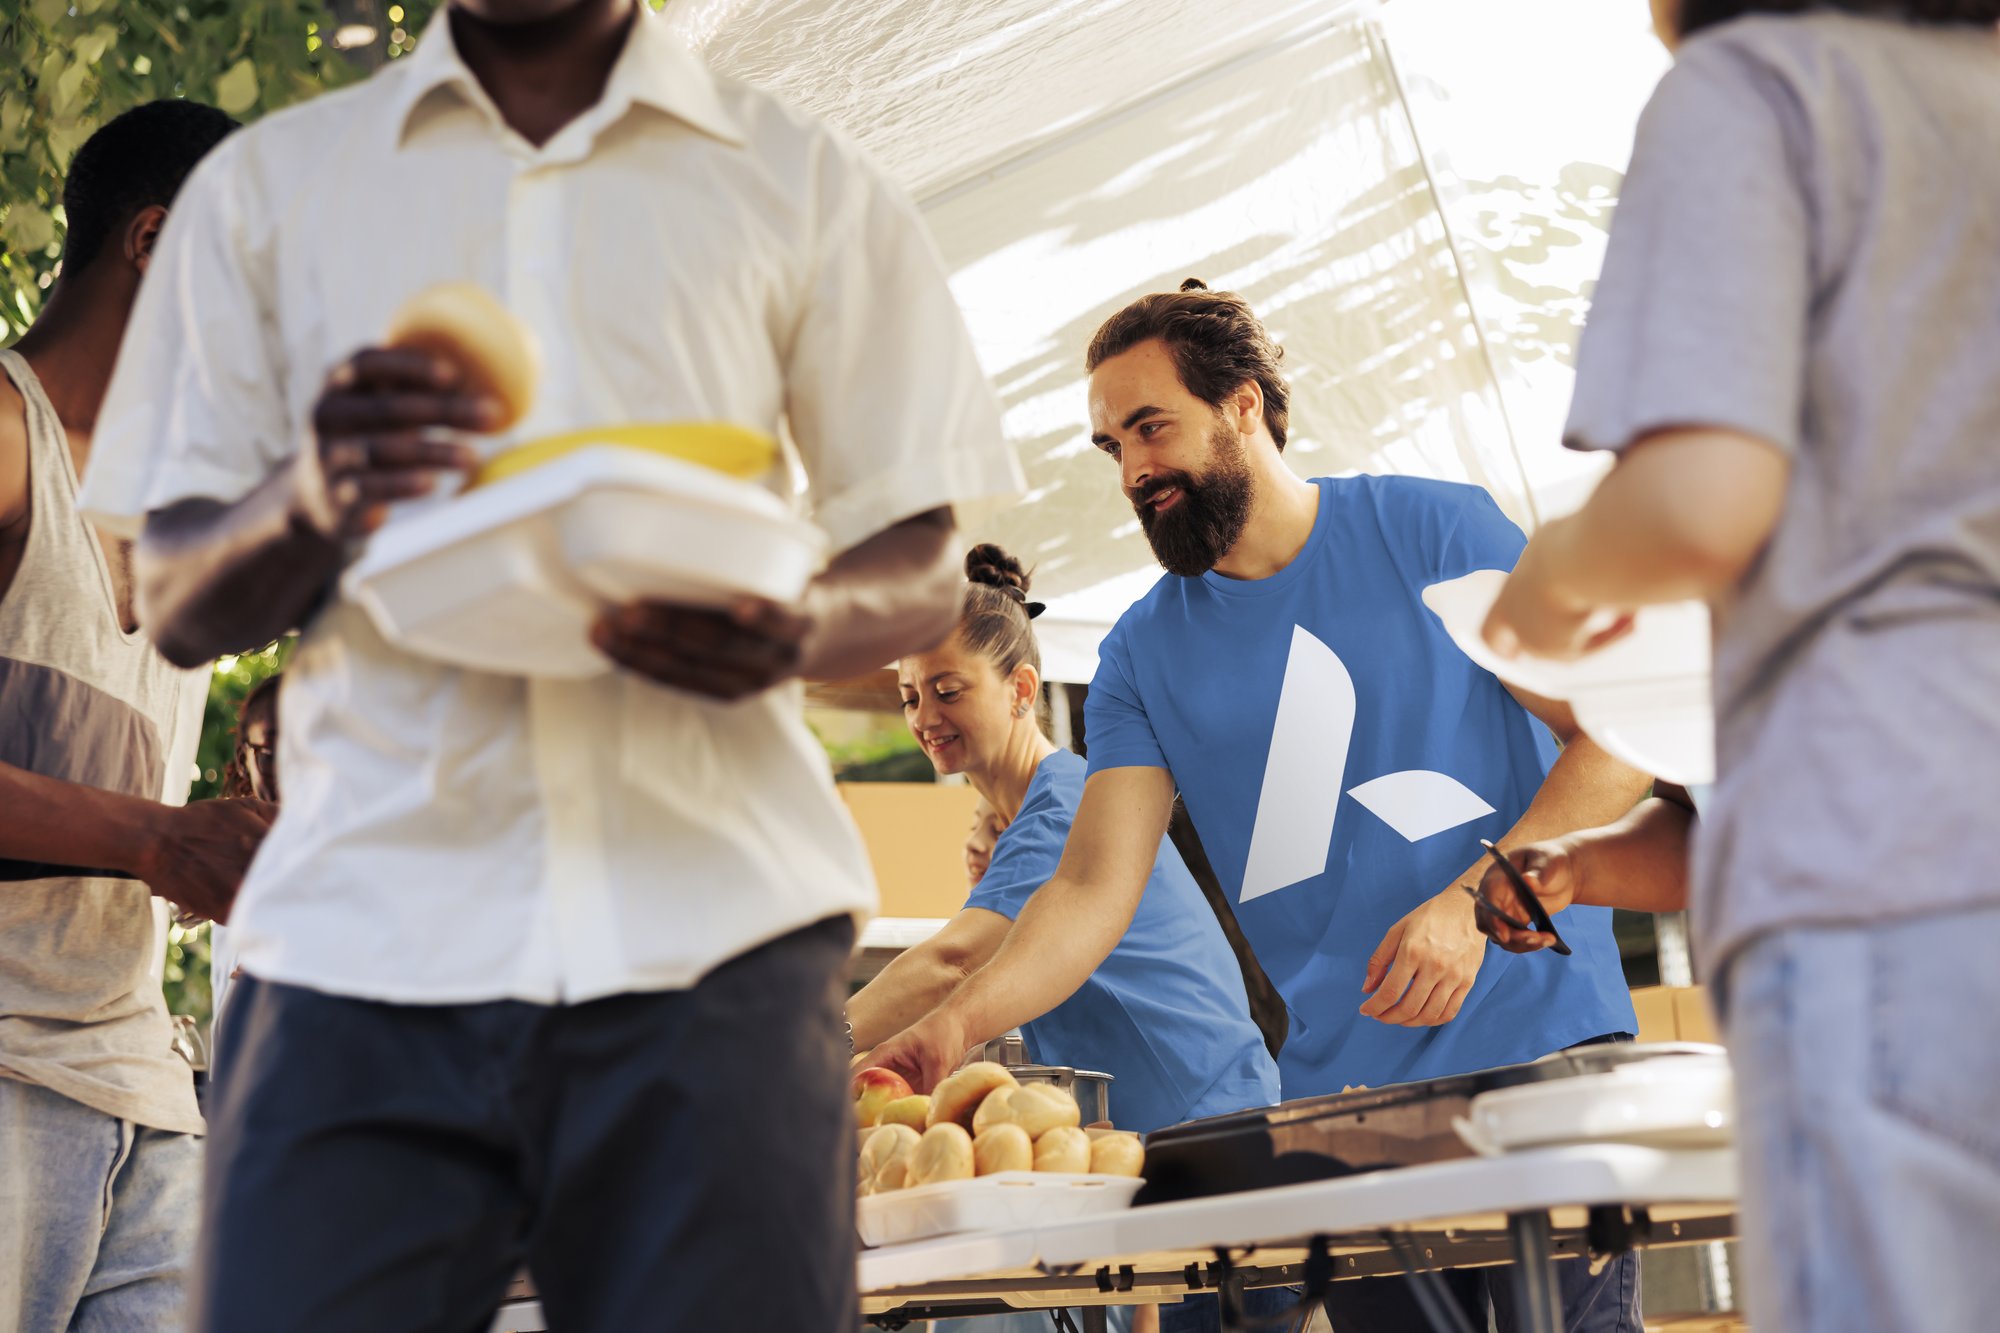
[(508, 578), (1007, 1201), (1646, 698), (1682, 1101)]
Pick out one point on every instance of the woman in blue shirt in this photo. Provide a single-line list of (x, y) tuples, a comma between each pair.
[(1165, 1014)]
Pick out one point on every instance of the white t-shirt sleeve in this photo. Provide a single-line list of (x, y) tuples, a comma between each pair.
[(889, 408), (197, 404)]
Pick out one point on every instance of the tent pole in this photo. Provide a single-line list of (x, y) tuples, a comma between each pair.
[(1378, 43)]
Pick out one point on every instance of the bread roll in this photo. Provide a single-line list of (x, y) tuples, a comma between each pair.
[(493, 351), (944, 1153), (1117, 1155), (888, 1145), (956, 1100), (995, 1108), (1064, 1148), (894, 1175), (1041, 1107), (1003, 1148), (1035, 1107)]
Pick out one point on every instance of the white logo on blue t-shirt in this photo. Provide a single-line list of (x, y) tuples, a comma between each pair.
[(1306, 765)]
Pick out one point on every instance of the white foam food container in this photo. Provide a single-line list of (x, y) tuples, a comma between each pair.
[(507, 578), (1681, 1101), (1005, 1201), (1646, 698)]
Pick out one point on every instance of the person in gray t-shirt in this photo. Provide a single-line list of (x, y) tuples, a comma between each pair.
[(1795, 349)]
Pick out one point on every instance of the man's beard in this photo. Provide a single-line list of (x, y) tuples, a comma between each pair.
[(1210, 515)]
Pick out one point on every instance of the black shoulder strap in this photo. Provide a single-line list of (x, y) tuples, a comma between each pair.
[(1267, 1007)]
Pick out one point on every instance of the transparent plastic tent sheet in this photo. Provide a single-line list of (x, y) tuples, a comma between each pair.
[(1072, 154), (938, 90), (1294, 180)]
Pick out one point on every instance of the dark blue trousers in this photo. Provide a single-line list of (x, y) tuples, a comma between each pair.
[(672, 1160)]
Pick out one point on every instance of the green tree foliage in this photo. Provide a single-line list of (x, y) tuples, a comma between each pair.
[(67, 66), (231, 684)]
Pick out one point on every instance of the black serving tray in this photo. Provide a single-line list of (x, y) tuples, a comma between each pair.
[(1318, 1138)]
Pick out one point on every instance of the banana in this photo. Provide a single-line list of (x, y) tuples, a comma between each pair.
[(735, 451)]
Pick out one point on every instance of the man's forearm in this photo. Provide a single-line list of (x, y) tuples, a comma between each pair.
[(895, 593), (1067, 929), (220, 578), (68, 825), (1585, 789), (1639, 863), (915, 982)]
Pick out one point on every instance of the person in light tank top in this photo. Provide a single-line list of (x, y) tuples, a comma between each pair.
[(99, 1152)]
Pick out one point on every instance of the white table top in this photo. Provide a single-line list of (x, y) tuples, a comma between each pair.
[(1473, 1194)]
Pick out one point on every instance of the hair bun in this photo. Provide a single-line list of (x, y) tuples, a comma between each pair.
[(1194, 285), (991, 565)]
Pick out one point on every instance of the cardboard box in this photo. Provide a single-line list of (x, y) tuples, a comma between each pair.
[(915, 833), (1692, 1019), (1655, 1007), (1674, 1013)]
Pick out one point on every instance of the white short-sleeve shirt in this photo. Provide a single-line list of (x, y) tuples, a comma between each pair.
[(687, 249)]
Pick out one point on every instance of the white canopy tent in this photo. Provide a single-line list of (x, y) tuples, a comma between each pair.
[(1403, 191)]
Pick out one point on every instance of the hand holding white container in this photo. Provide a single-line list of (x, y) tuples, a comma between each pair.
[(508, 576)]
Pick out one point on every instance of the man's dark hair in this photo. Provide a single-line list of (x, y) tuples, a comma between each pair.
[(137, 160), (1216, 342), (1699, 14)]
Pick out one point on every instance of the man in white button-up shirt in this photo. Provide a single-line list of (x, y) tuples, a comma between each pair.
[(539, 970)]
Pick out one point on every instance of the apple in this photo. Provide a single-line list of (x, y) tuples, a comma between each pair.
[(874, 1089)]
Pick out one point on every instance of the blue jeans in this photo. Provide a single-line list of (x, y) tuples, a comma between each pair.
[(97, 1217), (1868, 1098)]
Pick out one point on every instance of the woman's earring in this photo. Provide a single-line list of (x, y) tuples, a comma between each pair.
[(1020, 710)]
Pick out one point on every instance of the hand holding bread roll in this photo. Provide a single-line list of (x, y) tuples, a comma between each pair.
[(386, 424), (493, 352)]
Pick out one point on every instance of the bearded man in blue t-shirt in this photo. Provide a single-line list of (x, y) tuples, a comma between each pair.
[(1340, 757)]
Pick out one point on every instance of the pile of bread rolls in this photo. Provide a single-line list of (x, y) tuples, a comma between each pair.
[(982, 1121)]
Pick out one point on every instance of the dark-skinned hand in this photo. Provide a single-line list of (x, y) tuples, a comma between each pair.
[(1550, 873), (379, 436), (199, 852), (726, 653)]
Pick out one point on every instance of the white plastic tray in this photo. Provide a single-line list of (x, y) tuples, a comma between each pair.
[(1002, 1202), (508, 578), (1646, 698), (1683, 1101)]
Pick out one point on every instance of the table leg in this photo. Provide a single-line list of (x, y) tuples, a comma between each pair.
[(1535, 1286), (1094, 1319)]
